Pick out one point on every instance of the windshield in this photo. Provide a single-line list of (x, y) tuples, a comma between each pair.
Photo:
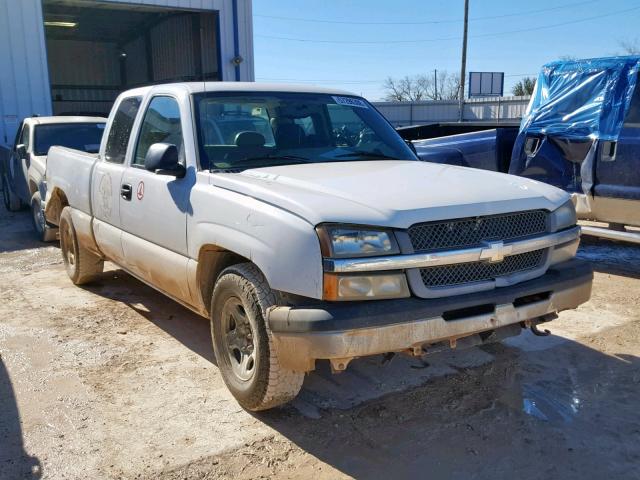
[(81, 136), (258, 129)]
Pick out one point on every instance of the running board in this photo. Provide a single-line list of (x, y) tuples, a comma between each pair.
[(624, 236)]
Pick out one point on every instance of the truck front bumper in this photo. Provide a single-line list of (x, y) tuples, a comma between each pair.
[(341, 332)]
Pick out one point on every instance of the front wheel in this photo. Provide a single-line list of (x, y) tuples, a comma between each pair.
[(241, 340), (82, 265), (44, 231)]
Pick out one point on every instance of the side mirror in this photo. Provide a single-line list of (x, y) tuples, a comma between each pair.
[(162, 159), (21, 151)]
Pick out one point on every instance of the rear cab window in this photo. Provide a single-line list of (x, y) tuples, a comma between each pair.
[(80, 136), (632, 120), (120, 131)]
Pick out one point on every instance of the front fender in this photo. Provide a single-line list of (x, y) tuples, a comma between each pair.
[(282, 245)]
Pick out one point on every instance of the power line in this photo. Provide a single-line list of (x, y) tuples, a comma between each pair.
[(429, 22), (426, 40), (318, 80), (352, 81)]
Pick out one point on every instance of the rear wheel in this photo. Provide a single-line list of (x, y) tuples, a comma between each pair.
[(11, 200), (82, 265), (44, 230), (242, 343)]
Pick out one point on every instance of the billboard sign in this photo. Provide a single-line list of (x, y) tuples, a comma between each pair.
[(486, 84)]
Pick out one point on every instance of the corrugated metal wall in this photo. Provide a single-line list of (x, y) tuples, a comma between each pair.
[(94, 63), (225, 8), (24, 78), (24, 74), (83, 85), (137, 70), (402, 114), (169, 61), (209, 38)]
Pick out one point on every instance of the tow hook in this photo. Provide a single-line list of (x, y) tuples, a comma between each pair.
[(544, 318), (540, 333)]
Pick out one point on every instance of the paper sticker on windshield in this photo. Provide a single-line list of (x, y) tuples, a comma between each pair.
[(350, 102), (101, 126)]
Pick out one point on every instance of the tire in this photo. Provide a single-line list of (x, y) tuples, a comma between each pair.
[(44, 230), (11, 200), (241, 338), (82, 265)]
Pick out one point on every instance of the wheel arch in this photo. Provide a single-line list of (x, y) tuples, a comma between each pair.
[(55, 204), (212, 260), (33, 186)]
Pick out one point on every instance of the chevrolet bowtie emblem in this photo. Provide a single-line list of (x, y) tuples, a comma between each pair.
[(495, 252)]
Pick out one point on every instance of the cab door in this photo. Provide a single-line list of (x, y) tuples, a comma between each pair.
[(19, 164), (154, 212), (107, 178), (618, 165), (617, 171)]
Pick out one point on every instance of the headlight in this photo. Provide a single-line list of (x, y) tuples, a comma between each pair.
[(563, 217), (365, 287), (343, 241)]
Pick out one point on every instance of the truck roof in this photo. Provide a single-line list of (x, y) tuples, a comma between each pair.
[(64, 119), (199, 87)]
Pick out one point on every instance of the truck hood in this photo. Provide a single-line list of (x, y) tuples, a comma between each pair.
[(389, 193)]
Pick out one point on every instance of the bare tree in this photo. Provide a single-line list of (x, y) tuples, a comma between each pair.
[(393, 91), (630, 47), (524, 86), (406, 89), (448, 86), (422, 87)]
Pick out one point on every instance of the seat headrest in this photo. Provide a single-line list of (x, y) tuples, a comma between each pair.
[(249, 139)]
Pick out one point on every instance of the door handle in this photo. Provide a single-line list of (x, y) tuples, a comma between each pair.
[(125, 191)]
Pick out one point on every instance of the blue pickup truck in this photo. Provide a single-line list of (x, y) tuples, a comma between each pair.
[(581, 132)]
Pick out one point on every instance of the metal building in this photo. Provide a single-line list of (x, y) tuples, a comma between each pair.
[(75, 56)]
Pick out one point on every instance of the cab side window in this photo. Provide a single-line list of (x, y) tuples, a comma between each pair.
[(161, 124), (633, 114), (120, 131)]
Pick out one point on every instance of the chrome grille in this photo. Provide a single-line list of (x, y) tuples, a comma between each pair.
[(451, 275), (471, 232)]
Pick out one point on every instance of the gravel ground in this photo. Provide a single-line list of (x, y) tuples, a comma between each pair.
[(116, 381)]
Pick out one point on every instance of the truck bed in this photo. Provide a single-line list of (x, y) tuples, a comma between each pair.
[(485, 149), (70, 171)]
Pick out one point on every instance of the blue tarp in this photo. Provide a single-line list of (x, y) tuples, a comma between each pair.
[(583, 98)]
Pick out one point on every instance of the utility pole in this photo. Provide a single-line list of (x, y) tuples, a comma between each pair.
[(435, 82), (463, 67)]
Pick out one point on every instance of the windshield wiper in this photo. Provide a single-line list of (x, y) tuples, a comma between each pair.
[(284, 158), (273, 160), (365, 153)]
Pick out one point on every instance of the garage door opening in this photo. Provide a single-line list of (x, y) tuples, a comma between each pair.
[(95, 50)]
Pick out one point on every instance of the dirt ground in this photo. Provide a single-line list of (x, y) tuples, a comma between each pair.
[(116, 381)]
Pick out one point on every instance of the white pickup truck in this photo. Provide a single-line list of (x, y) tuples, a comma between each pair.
[(301, 224), (23, 172)]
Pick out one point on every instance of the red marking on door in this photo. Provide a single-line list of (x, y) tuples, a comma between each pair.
[(140, 191)]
